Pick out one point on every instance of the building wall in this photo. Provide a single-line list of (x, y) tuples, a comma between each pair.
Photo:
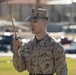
[(25, 11), (20, 12), (56, 13), (3, 10)]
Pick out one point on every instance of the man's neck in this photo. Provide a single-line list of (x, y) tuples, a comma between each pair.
[(40, 36)]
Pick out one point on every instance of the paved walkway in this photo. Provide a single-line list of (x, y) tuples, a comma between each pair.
[(6, 54), (71, 55)]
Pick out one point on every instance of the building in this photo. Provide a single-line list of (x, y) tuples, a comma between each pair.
[(60, 11), (20, 9)]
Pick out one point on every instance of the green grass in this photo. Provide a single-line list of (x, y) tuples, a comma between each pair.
[(6, 67), (71, 63)]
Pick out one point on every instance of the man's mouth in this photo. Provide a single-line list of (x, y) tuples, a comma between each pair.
[(32, 29)]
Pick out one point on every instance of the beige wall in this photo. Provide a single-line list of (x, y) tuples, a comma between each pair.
[(21, 12)]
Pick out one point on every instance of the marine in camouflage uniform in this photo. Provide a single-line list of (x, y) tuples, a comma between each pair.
[(42, 57)]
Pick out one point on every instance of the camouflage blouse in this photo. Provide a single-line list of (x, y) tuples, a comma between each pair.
[(45, 57)]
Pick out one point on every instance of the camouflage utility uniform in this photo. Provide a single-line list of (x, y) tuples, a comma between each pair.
[(44, 57)]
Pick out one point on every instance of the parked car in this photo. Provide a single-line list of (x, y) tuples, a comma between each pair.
[(3, 48), (4, 39), (7, 39), (64, 40), (71, 49)]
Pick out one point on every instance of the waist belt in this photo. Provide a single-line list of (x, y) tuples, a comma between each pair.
[(39, 74)]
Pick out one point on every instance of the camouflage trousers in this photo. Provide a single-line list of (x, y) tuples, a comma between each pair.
[(39, 74)]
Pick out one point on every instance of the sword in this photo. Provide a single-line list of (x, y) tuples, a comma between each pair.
[(13, 23), (11, 19)]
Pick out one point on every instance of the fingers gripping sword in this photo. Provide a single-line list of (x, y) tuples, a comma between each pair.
[(11, 19)]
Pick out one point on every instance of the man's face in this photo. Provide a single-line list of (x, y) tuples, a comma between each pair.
[(37, 26)]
